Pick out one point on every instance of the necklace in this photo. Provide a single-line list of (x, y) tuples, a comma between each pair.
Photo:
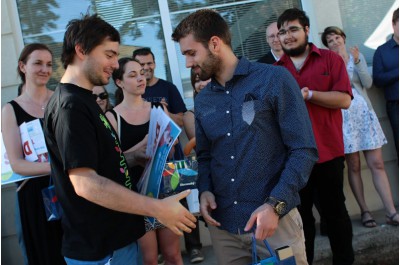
[(41, 105)]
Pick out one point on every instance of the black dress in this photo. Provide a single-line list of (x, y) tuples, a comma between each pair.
[(130, 136), (42, 238)]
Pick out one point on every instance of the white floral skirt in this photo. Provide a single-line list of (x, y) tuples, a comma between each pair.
[(361, 128)]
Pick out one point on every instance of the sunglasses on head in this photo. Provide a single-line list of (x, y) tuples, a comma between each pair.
[(102, 96)]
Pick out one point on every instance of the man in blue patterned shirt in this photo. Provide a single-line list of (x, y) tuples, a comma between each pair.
[(255, 144)]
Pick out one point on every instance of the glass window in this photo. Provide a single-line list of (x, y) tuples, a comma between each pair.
[(139, 23), (364, 28), (247, 21)]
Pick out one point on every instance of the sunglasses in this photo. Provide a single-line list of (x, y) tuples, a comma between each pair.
[(102, 96)]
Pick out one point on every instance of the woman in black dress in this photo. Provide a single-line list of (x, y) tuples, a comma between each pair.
[(40, 240)]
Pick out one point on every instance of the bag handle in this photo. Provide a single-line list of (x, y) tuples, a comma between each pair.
[(273, 259), (119, 126)]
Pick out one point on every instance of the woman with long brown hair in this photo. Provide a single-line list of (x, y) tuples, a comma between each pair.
[(39, 239)]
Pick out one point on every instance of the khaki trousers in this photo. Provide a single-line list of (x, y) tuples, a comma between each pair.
[(234, 249)]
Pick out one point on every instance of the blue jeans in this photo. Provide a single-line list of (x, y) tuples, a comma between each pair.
[(392, 109), (126, 255)]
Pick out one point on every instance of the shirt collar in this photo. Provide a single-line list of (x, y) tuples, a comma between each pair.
[(313, 51), (273, 54), (242, 69), (393, 43)]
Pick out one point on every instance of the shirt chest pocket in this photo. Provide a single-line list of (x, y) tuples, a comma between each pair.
[(321, 82), (255, 111)]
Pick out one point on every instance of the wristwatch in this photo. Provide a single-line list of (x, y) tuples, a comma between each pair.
[(279, 206)]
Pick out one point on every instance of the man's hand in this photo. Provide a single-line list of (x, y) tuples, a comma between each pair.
[(176, 217), (304, 92), (266, 221), (164, 103), (207, 204)]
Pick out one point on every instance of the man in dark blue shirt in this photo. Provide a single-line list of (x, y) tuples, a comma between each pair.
[(255, 144), (386, 74), (159, 90)]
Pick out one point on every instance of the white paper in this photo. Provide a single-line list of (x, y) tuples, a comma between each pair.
[(27, 145), (193, 201), (5, 163), (36, 134)]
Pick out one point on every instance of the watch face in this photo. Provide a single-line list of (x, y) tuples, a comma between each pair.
[(280, 207)]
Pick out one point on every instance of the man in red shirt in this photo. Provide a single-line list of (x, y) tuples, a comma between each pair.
[(325, 87)]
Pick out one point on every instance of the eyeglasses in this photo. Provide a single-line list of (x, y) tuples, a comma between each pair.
[(102, 96), (291, 30), (272, 37)]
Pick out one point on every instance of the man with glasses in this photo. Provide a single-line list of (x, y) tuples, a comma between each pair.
[(276, 51), (322, 77)]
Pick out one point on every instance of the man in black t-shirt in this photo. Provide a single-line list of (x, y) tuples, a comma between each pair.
[(102, 208)]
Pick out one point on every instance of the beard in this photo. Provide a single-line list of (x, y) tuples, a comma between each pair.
[(93, 74), (296, 51), (210, 67), (149, 74)]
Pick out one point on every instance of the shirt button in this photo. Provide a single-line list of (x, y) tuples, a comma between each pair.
[(235, 202), (232, 157), (227, 111), (232, 180), (227, 92), (229, 134)]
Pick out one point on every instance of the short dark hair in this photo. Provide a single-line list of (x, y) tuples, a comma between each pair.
[(395, 17), (118, 74), (143, 52), (331, 30), (293, 14), (203, 24), (89, 32), (24, 56)]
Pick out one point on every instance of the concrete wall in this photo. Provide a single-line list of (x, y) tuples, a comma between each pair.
[(11, 40), (322, 13)]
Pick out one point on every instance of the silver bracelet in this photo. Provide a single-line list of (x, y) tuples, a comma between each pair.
[(309, 96)]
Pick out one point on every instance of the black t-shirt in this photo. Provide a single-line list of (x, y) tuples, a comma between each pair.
[(79, 135), (164, 89)]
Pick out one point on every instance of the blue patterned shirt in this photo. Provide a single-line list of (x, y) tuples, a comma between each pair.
[(386, 69), (253, 140)]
